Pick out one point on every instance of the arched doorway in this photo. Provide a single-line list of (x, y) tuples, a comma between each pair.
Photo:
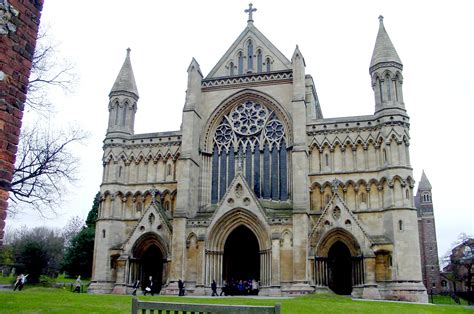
[(241, 255), (148, 260), (340, 268)]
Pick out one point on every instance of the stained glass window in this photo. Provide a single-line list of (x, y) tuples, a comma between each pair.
[(250, 139)]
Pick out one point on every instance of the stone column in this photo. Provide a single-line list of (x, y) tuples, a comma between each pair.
[(120, 284), (370, 287), (178, 247)]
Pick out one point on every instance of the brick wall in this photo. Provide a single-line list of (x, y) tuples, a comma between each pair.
[(19, 23)]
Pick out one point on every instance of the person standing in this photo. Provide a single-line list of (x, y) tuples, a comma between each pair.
[(135, 287), (17, 282), (214, 288), (181, 288), (77, 285), (149, 286)]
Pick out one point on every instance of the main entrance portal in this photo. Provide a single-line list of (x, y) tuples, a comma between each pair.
[(340, 272), (241, 256)]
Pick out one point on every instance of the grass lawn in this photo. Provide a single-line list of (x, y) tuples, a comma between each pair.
[(48, 300), (444, 299), (6, 280)]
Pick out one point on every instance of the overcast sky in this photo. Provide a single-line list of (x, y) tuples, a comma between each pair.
[(434, 40)]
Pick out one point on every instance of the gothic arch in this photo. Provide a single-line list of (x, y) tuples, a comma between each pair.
[(217, 236), (145, 241), (230, 102), (337, 234)]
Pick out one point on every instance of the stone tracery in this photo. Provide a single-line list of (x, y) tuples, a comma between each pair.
[(252, 136)]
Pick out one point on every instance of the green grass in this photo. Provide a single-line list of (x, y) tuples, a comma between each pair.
[(5, 280), (444, 299), (48, 300)]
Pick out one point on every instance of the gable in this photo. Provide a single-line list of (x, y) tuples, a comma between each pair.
[(261, 50)]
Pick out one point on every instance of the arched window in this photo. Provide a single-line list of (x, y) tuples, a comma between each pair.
[(259, 61), (363, 197), (169, 170), (268, 64), (251, 139), (380, 83), (396, 87), (139, 207), (117, 114), (407, 194), (124, 113), (103, 233), (326, 159), (388, 82), (250, 56), (241, 63), (167, 205), (385, 160), (231, 69), (400, 225), (120, 171)]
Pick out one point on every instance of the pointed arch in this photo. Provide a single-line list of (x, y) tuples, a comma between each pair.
[(231, 220)]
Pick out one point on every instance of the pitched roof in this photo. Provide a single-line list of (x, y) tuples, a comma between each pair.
[(125, 81), (280, 62)]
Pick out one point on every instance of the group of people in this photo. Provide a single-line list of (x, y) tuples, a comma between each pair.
[(149, 287), (236, 287), (20, 282)]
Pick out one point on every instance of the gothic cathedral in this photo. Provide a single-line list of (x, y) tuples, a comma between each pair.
[(258, 185)]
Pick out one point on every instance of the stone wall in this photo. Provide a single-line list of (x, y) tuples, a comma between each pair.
[(19, 22)]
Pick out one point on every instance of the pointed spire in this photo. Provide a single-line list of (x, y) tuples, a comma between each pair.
[(194, 66), (125, 81), (424, 184), (297, 55), (384, 51)]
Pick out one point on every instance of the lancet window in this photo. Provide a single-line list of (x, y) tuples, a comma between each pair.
[(251, 139)]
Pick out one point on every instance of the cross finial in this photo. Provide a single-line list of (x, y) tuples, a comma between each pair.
[(250, 10), (381, 18)]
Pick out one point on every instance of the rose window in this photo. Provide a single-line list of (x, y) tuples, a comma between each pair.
[(248, 118)]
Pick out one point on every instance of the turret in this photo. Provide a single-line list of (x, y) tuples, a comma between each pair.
[(193, 92), (299, 88), (386, 73), (423, 200), (123, 101)]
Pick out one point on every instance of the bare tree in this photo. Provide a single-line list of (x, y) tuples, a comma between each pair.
[(72, 228), (459, 262), (47, 71), (44, 167), (45, 163)]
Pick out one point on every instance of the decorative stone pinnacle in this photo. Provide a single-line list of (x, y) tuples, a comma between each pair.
[(250, 10), (128, 51), (381, 18)]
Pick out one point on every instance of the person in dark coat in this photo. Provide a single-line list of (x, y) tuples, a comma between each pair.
[(181, 287), (214, 288), (149, 286)]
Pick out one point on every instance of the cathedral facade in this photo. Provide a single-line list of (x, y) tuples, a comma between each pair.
[(257, 184)]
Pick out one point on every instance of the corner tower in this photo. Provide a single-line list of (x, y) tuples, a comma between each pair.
[(427, 234), (386, 73), (123, 101)]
